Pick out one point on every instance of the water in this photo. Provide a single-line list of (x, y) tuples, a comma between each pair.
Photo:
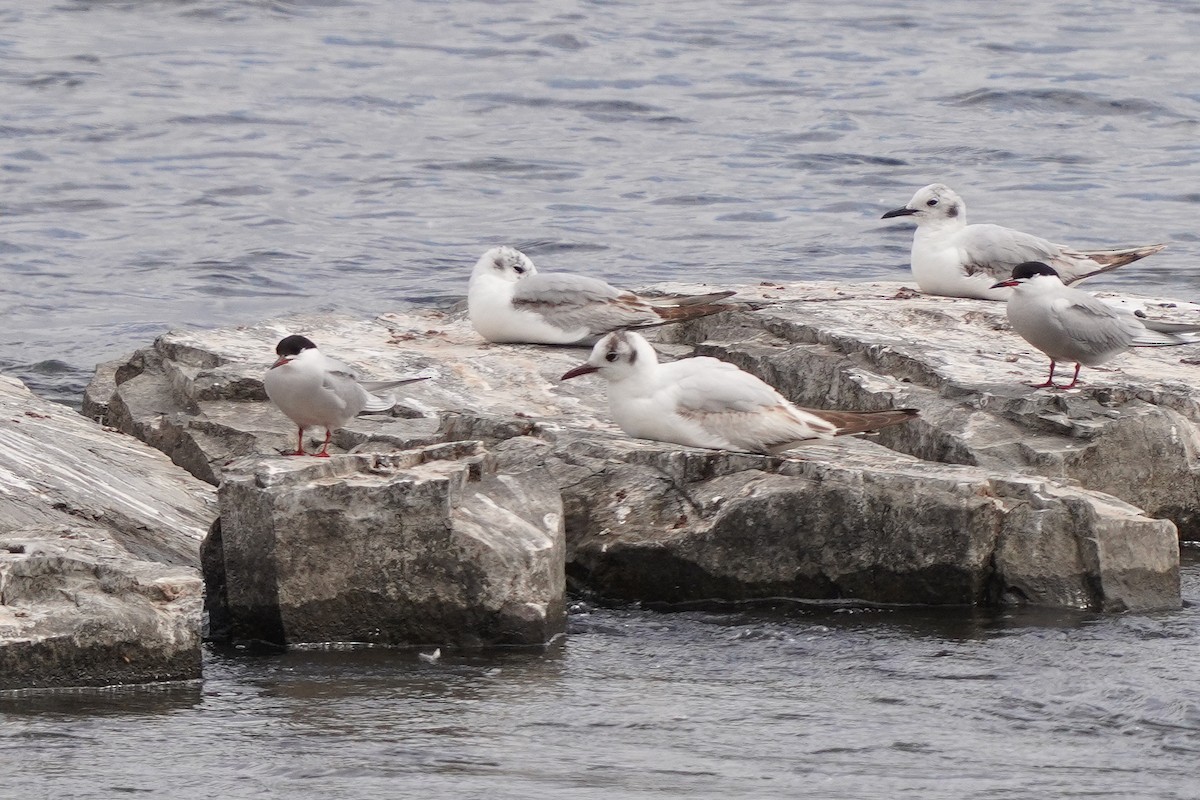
[(785, 702), (205, 163)]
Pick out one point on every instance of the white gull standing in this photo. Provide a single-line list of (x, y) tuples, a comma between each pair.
[(1071, 325), (705, 402), (314, 390), (952, 258), (510, 301)]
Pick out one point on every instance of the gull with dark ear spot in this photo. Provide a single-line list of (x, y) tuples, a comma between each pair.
[(508, 300), (313, 390), (1071, 325), (705, 402), (952, 258)]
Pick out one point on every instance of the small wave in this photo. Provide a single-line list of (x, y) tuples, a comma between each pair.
[(56, 79), (696, 200), (563, 41), (495, 165), (1088, 103), (751, 216), (1028, 47), (603, 110), (826, 161), (230, 119)]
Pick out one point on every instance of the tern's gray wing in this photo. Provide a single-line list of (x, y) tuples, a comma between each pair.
[(994, 250), (574, 302), (354, 398), (382, 402), (1093, 325)]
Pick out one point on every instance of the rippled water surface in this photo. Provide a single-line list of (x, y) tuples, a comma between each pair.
[(789, 702), (212, 163)]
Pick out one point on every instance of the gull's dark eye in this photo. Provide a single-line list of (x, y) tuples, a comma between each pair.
[(610, 356), (932, 203), (518, 269)]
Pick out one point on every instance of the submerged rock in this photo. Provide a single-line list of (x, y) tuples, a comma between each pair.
[(99, 552), (998, 493)]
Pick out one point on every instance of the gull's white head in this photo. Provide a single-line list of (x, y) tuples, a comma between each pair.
[(617, 356), (936, 202), (506, 263), (1031, 276)]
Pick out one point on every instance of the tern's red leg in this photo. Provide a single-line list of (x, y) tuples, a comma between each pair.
[(325, 447), (1050, 381), (1075, 379), (299, 443)]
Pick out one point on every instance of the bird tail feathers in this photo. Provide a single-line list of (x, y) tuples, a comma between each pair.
[(1111, 259), (849, 422)]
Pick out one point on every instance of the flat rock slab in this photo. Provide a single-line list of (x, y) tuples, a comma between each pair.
[(1127, 435), (99, 552)]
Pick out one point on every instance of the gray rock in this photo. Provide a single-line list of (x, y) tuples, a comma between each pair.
[(1129, 431), (99, 552), (850, 521), (423, 546), (998, 493)]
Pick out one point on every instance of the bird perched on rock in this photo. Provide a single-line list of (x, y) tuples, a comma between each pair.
[(1071, 325), (312, 389), (510, 301), (705, 402), (952, 258)]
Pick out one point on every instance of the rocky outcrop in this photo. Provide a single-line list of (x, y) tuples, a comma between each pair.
[(998, 493), (425, 546), (848, 520), (1130, 430), (99, 552)]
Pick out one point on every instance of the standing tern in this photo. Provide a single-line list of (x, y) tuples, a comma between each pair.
[(952, 258), (314, 390), (705, 402), (510, 301), (1071, 325)]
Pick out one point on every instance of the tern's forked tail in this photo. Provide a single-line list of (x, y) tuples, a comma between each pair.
[(849, 422)]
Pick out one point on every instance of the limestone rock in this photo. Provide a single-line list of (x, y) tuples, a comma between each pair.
[(423, 546), (1130, 430), (988, 455), (847, 521), (99, 546)]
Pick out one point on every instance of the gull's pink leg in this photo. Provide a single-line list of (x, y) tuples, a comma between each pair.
[(299, 443), (1050, 381), (1074, 380), (325, 447)]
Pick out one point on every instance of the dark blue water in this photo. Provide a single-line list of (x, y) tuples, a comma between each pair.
[(211, 163)]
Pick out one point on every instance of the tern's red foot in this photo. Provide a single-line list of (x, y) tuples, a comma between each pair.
[(322, 454), (1046, 385)]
